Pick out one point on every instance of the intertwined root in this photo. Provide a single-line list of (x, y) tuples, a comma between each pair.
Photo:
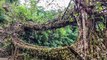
[(18, 46)]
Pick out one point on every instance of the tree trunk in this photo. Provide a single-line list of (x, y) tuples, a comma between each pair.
[(89, 44)]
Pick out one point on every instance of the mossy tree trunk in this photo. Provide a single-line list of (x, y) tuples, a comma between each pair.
[(88, 43)]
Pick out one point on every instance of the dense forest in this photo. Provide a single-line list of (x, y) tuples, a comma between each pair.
[(30, 32)]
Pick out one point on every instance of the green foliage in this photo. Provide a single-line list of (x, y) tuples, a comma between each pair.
[(99, 7), (33, 12), (56, 38), (11, 1), (2, 17)]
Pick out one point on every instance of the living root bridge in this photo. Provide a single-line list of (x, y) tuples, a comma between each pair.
[(63, 53), (53, 53)]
